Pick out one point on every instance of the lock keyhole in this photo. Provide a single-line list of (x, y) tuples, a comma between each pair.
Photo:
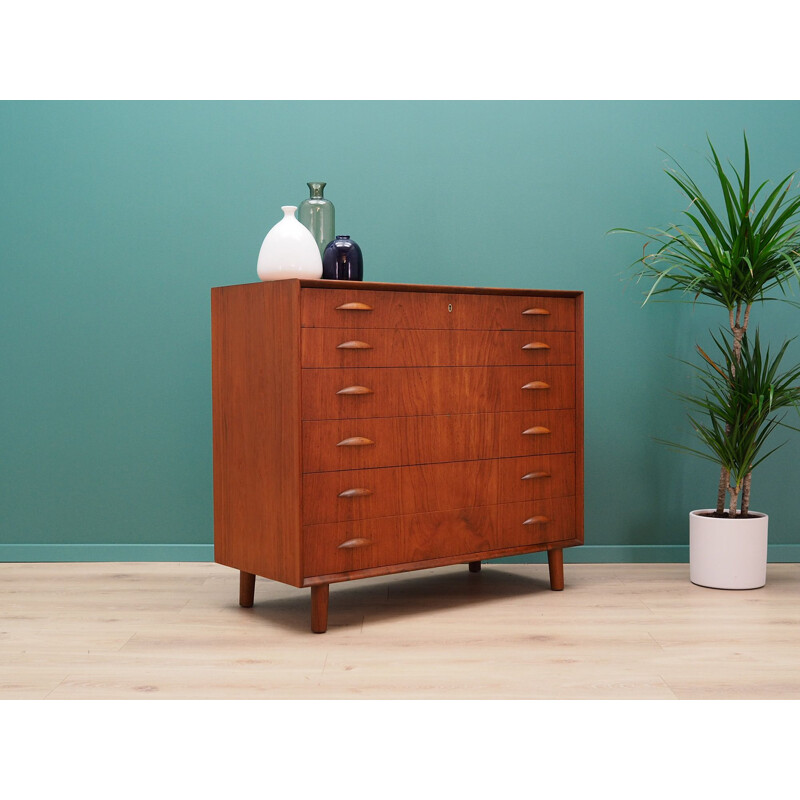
[(450, 307)]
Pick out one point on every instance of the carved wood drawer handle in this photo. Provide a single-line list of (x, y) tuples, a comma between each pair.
[(536, 520), (354, 345), (531, 475), (359, 492), (537, 312), (351, 544), (536, 346), (536, 385), (536, 430), (354, 390), (355, 441), (354, 307)]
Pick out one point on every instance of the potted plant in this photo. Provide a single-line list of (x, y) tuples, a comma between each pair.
[(734, 258), (741, 402)]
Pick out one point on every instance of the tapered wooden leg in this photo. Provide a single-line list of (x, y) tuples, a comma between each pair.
[(555, 560), (247, 589), (474, 566), (319, 607)]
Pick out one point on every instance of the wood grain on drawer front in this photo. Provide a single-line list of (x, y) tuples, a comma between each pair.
[(535, 477), (513, 312), (535, 432), (396, 391), (351, 444), (364, 544), (448, 437), (351, 494), (356, 347), (398, 441), (395, 540), (537, 521), (342, 308), (344, 546), (474, 530), (407, 490), (369, 493)]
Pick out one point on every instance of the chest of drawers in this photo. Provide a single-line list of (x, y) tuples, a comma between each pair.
[(362, 429)]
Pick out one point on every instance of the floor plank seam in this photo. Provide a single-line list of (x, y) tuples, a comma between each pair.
[(647, 607), (127, 642), (57, 687), (668, 687)]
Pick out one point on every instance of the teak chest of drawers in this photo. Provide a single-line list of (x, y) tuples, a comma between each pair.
[(362, 429)]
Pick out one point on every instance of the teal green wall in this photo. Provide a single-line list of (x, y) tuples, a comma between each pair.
[(118, 217)]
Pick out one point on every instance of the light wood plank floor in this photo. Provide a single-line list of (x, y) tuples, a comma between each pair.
[(175, 630)]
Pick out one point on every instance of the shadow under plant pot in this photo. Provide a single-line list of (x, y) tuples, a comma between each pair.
[(727, 553)]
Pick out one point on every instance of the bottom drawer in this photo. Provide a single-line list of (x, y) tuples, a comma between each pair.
[(363, 544)]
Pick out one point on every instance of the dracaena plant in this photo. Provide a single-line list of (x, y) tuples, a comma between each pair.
[(742, 402), (746, 252)]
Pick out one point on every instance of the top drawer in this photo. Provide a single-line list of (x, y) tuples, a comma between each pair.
[(345, 308)]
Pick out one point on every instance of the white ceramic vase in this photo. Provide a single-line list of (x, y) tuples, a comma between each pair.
[(289, 251), (727, 553)]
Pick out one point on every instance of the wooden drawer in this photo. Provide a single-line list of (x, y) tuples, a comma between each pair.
[(395, 441), (535, 477), (355, 347), (369, 493), (395, 391), (364, 544), (345, 308), (536, 521)]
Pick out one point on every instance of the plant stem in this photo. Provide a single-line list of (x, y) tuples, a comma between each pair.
[(724, 481), (734, 490), (738, 334), (746, 494)]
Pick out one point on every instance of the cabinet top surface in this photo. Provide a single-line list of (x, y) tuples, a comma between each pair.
[(399, 287)]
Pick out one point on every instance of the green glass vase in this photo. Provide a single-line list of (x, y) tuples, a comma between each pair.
[(317, 214)]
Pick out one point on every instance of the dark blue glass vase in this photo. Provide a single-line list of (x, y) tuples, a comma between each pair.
[(342, 260)]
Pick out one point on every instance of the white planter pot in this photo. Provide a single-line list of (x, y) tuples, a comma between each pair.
[(727, 553)]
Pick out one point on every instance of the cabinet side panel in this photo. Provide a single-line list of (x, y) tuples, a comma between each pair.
[(579, 431), (256, 400)]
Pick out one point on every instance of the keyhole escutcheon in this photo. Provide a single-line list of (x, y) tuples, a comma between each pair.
[(450, 307)]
